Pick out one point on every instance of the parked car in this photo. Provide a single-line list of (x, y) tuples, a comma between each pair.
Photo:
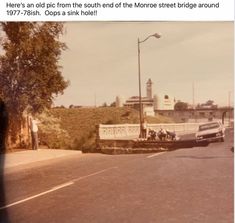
[(210, 132)]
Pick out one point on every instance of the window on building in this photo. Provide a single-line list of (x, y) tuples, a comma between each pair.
[(202, 114), (166, 97)]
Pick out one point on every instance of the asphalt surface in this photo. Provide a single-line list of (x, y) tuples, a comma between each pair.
[(183, 186), (23, 159)]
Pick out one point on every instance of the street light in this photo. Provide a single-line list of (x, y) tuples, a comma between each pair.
[(156, 35)]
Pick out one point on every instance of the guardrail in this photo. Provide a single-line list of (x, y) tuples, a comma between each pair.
[(130, 131)]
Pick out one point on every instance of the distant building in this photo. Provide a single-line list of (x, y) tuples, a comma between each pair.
[(150, 103), (163, 102), (208, 105), (133, 102), (149, 92), (198, 114), (119, 101)]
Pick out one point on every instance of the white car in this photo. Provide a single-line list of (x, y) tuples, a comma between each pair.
[(210, 132)]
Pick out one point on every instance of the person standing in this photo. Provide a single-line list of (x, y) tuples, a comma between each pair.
[(34, 133), (145, 129)]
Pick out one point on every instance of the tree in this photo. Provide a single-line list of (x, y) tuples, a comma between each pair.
[(209, 103), (3, 125), (51, 133), (104, 104), (179, 106), (113, 104), (30, 76)]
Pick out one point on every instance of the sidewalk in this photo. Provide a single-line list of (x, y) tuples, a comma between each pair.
[(30, 156)]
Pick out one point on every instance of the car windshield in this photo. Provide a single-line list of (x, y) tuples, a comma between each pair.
[(208, 126)]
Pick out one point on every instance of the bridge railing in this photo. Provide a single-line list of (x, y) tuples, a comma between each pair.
[(129, 131)]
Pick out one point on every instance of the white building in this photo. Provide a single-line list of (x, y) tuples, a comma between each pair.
[(163, 102), (150, 103), (119, 101)]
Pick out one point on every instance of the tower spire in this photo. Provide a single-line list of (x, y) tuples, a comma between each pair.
[(149, 89)]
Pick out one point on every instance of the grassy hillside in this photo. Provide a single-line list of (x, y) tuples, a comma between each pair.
[(80, 123)]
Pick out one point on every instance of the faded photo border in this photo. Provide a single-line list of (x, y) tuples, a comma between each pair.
[(192, 59)]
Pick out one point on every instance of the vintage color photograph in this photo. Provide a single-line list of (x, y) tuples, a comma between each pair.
[(116, 122)]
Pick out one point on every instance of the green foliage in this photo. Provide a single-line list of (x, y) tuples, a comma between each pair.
[(81, 123), (90, 144), (3, 126), (113, 104), (30, 76), (50, 132), (179, 106), (104, 104)]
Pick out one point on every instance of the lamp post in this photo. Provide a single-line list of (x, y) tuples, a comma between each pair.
[(156, 35), (229, 112)]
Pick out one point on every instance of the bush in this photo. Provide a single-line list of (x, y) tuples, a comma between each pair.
[(51, 133), (80, 123)]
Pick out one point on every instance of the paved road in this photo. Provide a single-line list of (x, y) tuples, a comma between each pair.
[(183, 186)]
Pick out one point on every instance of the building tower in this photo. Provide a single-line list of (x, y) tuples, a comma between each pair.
[(149, 88), (119, 101)]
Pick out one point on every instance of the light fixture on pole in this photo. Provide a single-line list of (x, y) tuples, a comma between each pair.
[(156, 35)]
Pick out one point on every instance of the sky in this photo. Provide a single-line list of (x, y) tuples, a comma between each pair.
[(101, 61)]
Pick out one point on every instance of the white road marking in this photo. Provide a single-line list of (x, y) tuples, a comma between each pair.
[(37, 195), (156, 154), (58, 187), (61, 186), (93, 174)]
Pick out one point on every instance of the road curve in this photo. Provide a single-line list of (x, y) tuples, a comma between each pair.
[(187, 185)]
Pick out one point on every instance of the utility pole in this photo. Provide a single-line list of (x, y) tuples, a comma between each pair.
[(229, 112), (193, 96), (156, 35), (194, 107)]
